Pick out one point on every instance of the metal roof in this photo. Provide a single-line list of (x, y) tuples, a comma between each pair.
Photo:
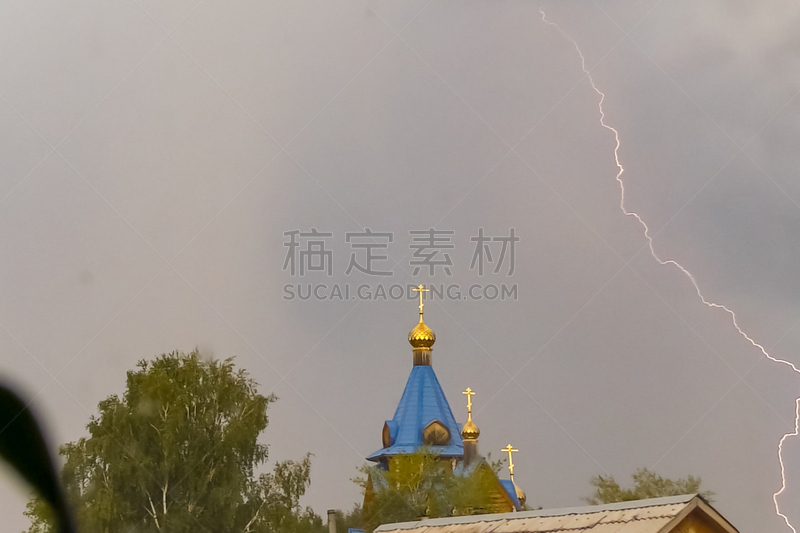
[(642, 516), (511, 490), (423, 401)]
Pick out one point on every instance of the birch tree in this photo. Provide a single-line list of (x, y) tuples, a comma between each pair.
[(178, 452)]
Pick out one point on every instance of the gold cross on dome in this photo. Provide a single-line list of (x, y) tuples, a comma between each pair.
[(509, 450), (420, 290), (469, 393)]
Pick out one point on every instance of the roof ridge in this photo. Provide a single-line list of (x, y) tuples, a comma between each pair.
[(546, 513)]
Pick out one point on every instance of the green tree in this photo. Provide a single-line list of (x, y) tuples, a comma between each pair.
[(646, 484), (422, 485), (347, 520), (178, 453), (274, 501)]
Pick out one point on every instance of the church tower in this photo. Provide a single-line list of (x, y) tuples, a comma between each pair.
[(423, 419), (423, 416)]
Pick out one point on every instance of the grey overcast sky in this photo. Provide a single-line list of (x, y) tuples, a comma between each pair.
[(154, 152)]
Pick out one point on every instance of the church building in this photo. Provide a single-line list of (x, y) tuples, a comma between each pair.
[(423, 420)]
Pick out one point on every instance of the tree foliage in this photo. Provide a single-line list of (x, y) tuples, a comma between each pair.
[(274, 501), (178, 453), (346, 520), (646, 484), (422, 485)]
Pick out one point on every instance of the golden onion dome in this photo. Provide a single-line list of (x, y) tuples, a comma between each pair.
[(470, 431), (421, 336), (521, 496)]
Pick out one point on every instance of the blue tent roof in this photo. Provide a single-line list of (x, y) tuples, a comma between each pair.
[(423, 401)]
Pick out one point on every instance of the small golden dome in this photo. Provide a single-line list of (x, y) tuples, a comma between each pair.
[(422, 336), (521, 496), (470, 431)]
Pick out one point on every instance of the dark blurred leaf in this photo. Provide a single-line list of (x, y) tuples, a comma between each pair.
[(22, 445)]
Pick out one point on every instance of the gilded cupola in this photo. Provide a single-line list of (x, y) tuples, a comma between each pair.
[(470, 432), (421, 337)]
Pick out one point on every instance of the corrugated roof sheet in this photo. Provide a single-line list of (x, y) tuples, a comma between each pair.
[(643, 516)]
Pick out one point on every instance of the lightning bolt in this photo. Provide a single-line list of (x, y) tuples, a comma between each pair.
[(620, 171)]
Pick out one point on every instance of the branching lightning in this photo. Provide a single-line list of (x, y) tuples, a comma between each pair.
[(620, 171)]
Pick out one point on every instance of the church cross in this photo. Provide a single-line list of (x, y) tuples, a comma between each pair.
[(469, 393), (508, 449), (420, 290)]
